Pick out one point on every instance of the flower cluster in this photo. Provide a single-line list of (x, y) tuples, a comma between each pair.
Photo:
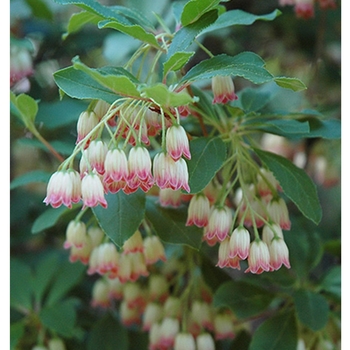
[(107, 167), (259, 208), (177, 312), (306, 8), (92, 248)]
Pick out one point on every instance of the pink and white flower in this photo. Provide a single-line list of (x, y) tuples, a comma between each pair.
[(87, 121), (177, 143), (92, 191), (153, 250), (179, 175), (63, 188), (133, 244), (278, 212), (304, 9), (198, 211), (220, 222), (184, 341), (96, 155), (153, 313), (205, 341), (170, 327), (75, 234), (223, 89), (223, 326), (140, 174), (170, 198), (239, 243), (279, 254), (259, 257)]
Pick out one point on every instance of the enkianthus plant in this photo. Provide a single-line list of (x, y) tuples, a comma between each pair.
[(168, 154)]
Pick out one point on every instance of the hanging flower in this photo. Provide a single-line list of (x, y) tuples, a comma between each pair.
[(198, 211), (92, 191), (220, 222), (223, 89), (63, 188), (259, 257), (177, 144)]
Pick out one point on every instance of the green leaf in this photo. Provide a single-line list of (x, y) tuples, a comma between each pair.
[(25, 107), (120, 18), (327, 129), (161, 94), (296, 184), (49, 218), (40, 9), (21, 285), (239, 17), (32, 176), (16, 333), (106, 333), (80, 85), (244, 299), (312, 309), (282, 127), (246, 64), (61, 317), (68, 276), (170, 224), (184, 37), (45, 272), (59, 114), (305, 248), (331, 282), (135, 31), (252, 100), (122, 217), (176, 62), (277, 332), (195, 9), (118, 80), (290, 83), (207, 157), (80, 19)]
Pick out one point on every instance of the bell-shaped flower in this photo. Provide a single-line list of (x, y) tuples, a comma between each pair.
[(220, 222), (92, 191), (304, 9), (278, 212), (239, 243), (223, 89), (153, 313), (170, 198), (259, 257), (100, 294), (75, 234), (205, 341), (198, 211), (223, 326), (170, 327), (153, 250), (96, 155), (140, 174), (177, 144), (87, 121), (63, 188), (184, 341), (279, 254), (133, 244)]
